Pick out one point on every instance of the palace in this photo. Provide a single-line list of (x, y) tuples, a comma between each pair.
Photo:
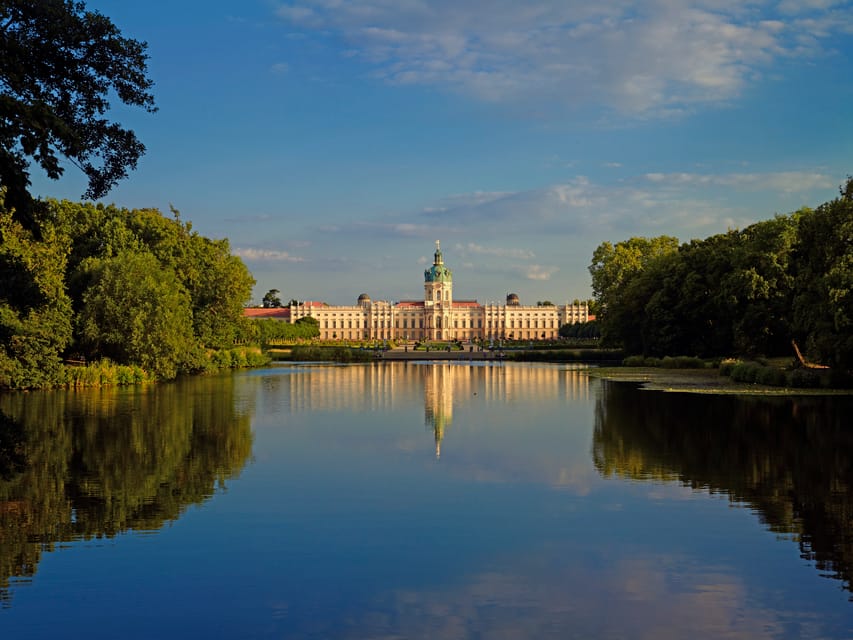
[(437, 317)]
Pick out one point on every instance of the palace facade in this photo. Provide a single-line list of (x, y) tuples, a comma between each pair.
[(437, 317)]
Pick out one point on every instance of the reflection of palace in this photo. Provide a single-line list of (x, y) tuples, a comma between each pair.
[(437, 317), (438, 400), (445, 384)]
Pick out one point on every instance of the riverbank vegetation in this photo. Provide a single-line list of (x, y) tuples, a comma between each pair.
[(107, 288), (749, 293)]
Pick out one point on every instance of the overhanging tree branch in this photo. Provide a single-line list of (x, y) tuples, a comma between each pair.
[(60, 67)]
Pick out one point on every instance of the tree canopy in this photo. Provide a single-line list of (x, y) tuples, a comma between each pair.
[(100, 282), (746, 292), (60, 67), (271, 299)]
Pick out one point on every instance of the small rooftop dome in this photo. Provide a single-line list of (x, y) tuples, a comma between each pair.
[(512, 300)]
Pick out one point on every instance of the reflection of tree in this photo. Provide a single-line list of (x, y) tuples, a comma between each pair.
[(791, 459), (103, 462)]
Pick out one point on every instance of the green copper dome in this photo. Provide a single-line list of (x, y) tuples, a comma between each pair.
[(438, 272)]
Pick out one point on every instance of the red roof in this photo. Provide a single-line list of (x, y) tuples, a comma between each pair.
[(466, 303), (275, 312), (410, 303)]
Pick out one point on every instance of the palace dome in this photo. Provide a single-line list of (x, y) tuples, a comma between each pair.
[(438, 272), (512, 300)]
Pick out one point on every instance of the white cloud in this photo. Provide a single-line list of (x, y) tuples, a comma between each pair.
[(266, 255), (500, 252), (388, 229), (539, 272), (784, 181), (653, 58), (682, 204)]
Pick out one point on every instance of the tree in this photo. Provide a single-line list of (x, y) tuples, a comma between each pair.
[(823, 287), (136, 311), (35, 311), (614, 269), (60, 67), (271, 299)]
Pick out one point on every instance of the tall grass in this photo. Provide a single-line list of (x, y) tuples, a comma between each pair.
[(105, 373)]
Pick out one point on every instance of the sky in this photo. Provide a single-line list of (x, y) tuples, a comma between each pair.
[(333, 142)]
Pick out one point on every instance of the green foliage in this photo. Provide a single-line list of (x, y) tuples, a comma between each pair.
[(726, 367), (305, 353), (271, 299), (35, 312), (582, 330), (136, 311), (667, 362), (771, 377), (567, 355), (682, 362), (60, 67), (614, 269), (804, 379), (268, 331), (137, 288), (744, 371), (755, 372), (823, 299), (105, 373), (747, 292)]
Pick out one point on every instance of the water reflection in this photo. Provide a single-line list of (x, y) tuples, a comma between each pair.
[(559, 507), (789, 459), (447, 383), (83, 465), (444, 385)]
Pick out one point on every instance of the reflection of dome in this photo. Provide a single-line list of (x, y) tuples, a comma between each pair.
[(363, 299), (512, 300)]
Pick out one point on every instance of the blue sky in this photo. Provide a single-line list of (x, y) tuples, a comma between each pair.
[(333, 142)]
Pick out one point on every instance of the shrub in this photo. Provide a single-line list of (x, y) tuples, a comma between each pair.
[(804, 379), (634, 361), (238, 359), (745, 371), (771, 376), (727, 365), (840, 379), (682, 362), (105, 373)]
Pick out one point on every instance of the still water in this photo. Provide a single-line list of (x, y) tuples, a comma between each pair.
[(423, 500)]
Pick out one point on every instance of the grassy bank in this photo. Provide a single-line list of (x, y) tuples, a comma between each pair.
[(105, 373), (304, 353), (566, 355), (707, 380)]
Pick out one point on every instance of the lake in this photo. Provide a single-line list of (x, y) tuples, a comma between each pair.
[(423, 500)]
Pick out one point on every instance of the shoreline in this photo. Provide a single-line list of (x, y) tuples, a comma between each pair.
[(700, 381)]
